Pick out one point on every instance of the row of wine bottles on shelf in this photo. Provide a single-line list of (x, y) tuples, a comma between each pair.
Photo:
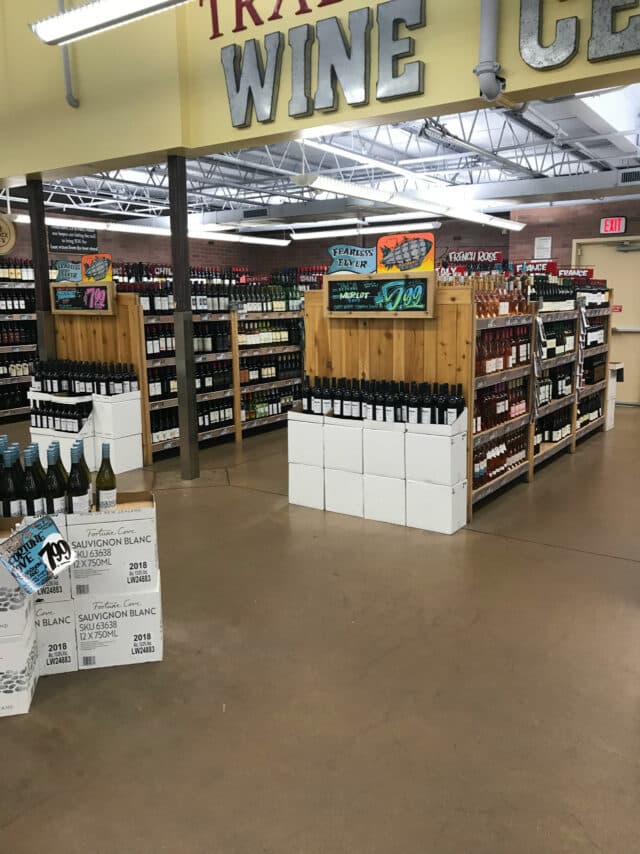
[(30, 491), (502, 349), (65, 418), (16, 270), (383, 400), (212, 415), (595, 369), (141, 272), (13, 397), (553, 294), (207, 338), (589, 409), (75, 379), (265, 404), (264, 369), (596, 333), (554, 385), (16, 366), (12, 335), (507, 296), (494, 459), (17, 301), (552, 429), (266, 333), (560, 338), (500, 403), (209, 377)]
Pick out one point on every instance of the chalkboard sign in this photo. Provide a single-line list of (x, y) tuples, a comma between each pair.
[(381, 296), (93, 299), (75, 241)]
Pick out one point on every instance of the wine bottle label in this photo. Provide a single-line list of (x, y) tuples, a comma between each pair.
[(107, 499), (58, 505), (452, 415), (80, 503), (15, 508)]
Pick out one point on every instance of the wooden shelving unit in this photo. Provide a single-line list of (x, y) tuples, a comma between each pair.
[(548, 451)]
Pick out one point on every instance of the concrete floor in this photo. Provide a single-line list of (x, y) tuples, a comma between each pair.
[(334, 685)]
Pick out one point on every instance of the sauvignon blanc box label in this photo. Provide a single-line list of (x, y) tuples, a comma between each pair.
[(114, 556), (119, 630), (56, 630)]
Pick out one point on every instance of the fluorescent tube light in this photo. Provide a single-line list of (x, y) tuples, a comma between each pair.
[(379, 229), (401, 200), (96, 17)]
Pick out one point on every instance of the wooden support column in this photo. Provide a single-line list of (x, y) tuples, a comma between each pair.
[(183, 317), (40, 255)]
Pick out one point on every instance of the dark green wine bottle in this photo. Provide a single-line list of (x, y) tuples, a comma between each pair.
[(32, 493), (11, 502), (106, 492), (54, 492), (77, 487)]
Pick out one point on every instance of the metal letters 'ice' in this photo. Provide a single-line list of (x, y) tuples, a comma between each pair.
[(561, 51), (301, 41), (605, 42), (248, 81), (337, 62), (391, 49)]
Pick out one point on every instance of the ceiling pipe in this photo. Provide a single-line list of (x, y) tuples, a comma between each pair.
[(491, 86), (66, 64)]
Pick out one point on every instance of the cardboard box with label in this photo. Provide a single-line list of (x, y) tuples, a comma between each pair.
[(116, 630), (18, 671), (117, 551), (56, 631)]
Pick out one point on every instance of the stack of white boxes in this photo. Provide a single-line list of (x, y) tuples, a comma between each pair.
[(116, 420), (18, 648), (402, 474), (612, 392)]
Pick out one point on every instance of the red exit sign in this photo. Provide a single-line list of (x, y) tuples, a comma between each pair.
[(613, 225)]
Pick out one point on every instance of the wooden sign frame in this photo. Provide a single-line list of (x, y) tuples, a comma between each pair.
[(427, 314), (84, 286)]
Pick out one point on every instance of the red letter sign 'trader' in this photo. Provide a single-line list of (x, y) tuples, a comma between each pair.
[(248, 5)]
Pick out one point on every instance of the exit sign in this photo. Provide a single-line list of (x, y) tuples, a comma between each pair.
[(613, 225)]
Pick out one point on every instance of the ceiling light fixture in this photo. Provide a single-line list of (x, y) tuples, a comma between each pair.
[(401, 200), (96, 17), (379, 229)]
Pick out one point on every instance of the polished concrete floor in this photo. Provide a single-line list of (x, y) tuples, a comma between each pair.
[(336, 686)]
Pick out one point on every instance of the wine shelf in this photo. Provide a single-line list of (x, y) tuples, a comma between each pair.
[(170, 403), (264, 422), (210, 317), (17, 286), (161, 363), (269, 351), (7, 318), (552, 316), (592, 389), (503, 376), (556, 405), (216, 434), (596, 351), (502, 322), (11, 413), (270, 315), (557, 361), (590, 428), (215, 395), (20, 348), (201, 358), (247, 389), (502, 430), (169, 445), (550, 449), (598, 312), (508, 477), (15, 380)]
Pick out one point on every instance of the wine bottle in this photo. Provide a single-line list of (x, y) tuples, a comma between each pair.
[(78, 487), (62, 472), (87, 473), (11, 502), (106, 483), (32, 494), (54, 490)]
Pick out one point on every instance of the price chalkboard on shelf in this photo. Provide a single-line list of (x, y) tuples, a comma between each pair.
[(411, 296), (73, 241), (88, 298)]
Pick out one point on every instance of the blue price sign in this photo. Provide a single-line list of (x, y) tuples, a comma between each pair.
[(36, 554)]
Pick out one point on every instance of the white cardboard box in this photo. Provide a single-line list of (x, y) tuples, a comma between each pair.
[(117, 551), (119, 416), (56, 631), (126, 452), (112, 631), (438, 508), (458, 426), (305, 438), (45, 437), (306, 486), (344, 492), (16, 608), (385, 499), (384, 451), (436, 459), (343, 445), (18, 671), (611, 416)]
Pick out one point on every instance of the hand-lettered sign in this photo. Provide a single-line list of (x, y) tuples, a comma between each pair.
[(352, 259), (403, 253), (381, 296), (83, 298)]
